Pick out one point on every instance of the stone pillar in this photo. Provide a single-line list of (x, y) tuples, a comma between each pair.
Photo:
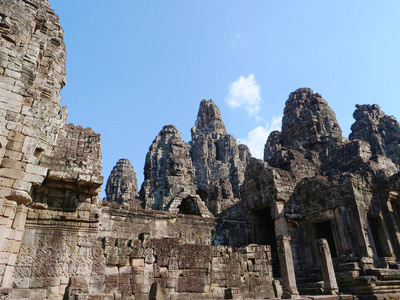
[(280, 220), (287, 268), (324, 253)]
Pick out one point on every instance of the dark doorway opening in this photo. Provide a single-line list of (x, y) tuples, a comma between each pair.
[(265, 235), (188, 207), (379, 237), (324, 231)]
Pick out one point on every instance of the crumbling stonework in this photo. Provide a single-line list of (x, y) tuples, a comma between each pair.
[(210, 168), (168, 175), (168, 169), (31, 114), (382, 132), (122, 187), (33, 126), (319, 185), (218, 161), (320, 214)]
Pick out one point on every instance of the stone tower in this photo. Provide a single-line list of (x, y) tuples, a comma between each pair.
[(218, 161), (168, 169), (122, 185)]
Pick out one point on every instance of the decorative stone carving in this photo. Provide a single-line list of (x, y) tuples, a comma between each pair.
[(57, 240), (218, 161), (168, 169), (309, 126), (380, 131), (122, 185)]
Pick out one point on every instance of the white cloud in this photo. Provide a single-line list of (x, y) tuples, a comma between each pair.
[(257, 137), (245, 93)]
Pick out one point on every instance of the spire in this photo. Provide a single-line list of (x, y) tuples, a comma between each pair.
[(208, 119), (122, 184)]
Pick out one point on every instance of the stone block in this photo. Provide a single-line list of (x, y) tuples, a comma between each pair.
[(12, 174), (52, 281), (35, 179), (38, 294), (22, 283), (20, 293), (14, 146), (16, 136), (36, 282), (15, 155), (22, 185), (96, 284), (35, 169), (111, 284), (6, 182), (125, 270), (84, 215), (53, 291), (137, 262), (137, 279), (79, 284)]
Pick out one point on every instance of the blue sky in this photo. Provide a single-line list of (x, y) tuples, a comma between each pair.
[(134, 66)]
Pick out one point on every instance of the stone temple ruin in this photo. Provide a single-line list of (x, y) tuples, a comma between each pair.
[(320, 215)]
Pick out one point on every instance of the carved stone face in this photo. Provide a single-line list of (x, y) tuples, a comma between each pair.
[(177, 168), (126, 186)]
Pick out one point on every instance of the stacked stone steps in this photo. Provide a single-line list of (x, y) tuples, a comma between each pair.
[(311, 288), (382, 282), (387, 287)]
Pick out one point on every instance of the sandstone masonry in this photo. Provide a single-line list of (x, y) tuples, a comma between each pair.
[(319, 215)]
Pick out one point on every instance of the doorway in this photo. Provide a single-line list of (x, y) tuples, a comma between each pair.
[(264, 226)]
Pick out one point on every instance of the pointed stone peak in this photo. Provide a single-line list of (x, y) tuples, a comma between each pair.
[(303, 94), (368, 112), (382, 132), (170, 130), (168, 169), (208, 119), (308, 120), (165, 136)]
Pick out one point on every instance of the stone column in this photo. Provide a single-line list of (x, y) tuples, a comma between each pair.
[(280, 220), (287, 268), (328, 273)]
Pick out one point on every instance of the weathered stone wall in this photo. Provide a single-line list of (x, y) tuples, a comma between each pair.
[(41, 158), (33, 73), (58, 241), (30, 112), (180, 270), (158, 224), (52, 251), (113, 256)]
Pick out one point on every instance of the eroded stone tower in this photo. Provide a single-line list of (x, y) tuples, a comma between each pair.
[(122, 187)]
